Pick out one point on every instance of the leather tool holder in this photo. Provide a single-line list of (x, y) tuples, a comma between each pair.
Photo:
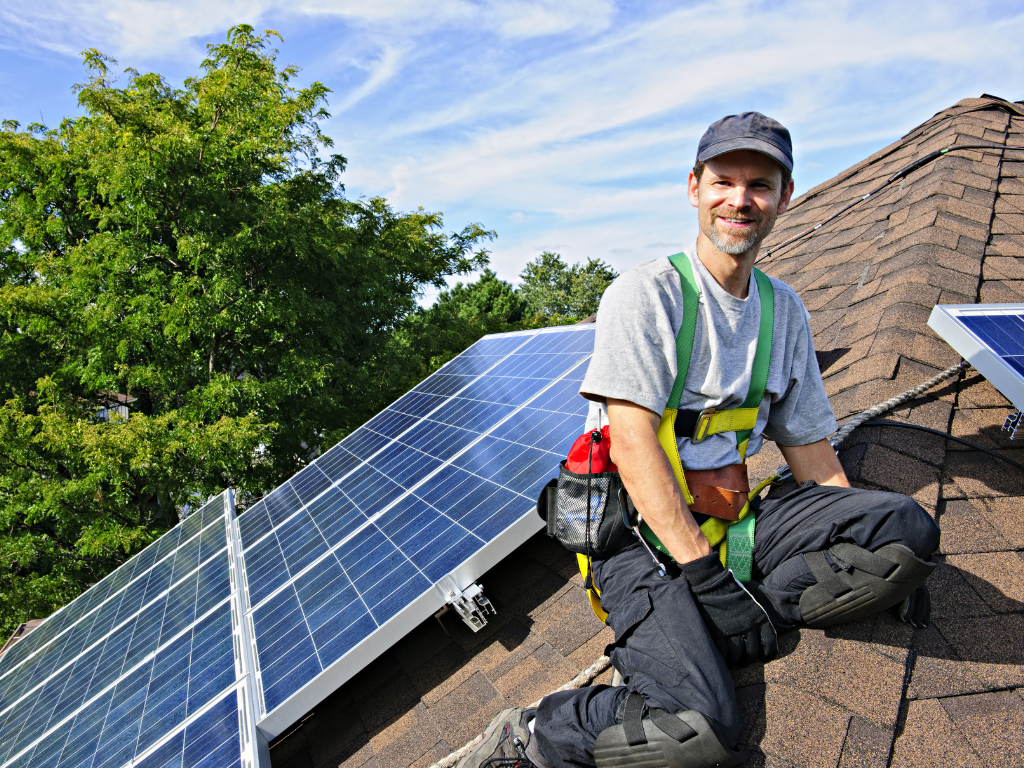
[(720, 493)]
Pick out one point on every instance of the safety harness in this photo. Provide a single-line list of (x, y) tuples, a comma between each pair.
[(735, 535)]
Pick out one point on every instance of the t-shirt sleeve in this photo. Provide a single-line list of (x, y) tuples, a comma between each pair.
[(635, 348), (802, 414)]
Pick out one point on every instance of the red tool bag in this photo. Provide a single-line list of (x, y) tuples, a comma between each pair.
[(580, 459)]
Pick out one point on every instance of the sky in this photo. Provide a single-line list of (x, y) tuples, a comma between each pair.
[(564, 125)]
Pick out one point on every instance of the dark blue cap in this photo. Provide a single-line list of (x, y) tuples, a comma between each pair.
[(750, 130)]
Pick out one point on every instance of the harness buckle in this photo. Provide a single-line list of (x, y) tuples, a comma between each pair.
[(700, 429)]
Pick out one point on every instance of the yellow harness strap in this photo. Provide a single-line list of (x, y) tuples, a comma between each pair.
[(594, 594), (712, 422)]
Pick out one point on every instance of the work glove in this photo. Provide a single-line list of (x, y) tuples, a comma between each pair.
[(916, 609), (739, 626)]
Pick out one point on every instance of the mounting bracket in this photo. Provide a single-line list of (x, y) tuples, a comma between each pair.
[(1012, 424), (470, 603)]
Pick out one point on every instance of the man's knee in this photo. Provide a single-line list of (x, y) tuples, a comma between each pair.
[(655, 737), (854, 583), (914, 527)]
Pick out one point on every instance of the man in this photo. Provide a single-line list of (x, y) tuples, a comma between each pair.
[(822, 554)]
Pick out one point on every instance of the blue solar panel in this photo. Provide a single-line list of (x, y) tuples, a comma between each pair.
[(116, 672), (224, 624), (991, 338), (405, 500)]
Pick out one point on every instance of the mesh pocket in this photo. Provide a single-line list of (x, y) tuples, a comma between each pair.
[(571, 508)]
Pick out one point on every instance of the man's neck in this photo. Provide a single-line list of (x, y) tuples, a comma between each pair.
[(730, 272)]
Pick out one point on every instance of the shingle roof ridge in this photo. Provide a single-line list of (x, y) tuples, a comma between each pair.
[(963, 107)]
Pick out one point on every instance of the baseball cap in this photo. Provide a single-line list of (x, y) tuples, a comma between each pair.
[(749, 130)]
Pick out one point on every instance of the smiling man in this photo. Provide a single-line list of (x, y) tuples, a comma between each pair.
[(698, 357)]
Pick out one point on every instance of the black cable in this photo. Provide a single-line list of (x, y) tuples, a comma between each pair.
[(895, 177), (885, 423)]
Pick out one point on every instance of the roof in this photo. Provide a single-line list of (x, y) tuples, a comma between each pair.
[(871, 693), (19, 633)]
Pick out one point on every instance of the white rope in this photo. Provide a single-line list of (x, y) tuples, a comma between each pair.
[(895, 402), (584, 678)]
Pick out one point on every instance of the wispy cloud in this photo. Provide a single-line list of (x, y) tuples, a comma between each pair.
[(571, 124)]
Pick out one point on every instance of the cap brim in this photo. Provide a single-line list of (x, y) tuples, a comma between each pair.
[(744, 142)]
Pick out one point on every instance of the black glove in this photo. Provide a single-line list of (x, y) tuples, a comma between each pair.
[(916, 610), (739, 625)]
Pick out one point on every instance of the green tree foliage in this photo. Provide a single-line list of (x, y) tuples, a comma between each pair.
[(460, 316), (558, 293), (190, 248), (552, 293)]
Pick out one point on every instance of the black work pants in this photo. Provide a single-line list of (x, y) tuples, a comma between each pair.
[(662, 647)]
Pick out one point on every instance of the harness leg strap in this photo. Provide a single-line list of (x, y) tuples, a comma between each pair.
[(869, 583), (662, 740)]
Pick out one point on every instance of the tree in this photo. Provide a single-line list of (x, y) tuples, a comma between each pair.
[(492, 301), (460, 316), (191, 249), (557, 292)]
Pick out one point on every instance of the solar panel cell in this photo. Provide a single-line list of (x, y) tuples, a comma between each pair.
[(335, 516), (212, 740), (310, 483), (342, 633), (290, 673), (337, 462)]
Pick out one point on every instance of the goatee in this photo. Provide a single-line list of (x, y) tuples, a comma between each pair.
[(732, 248)]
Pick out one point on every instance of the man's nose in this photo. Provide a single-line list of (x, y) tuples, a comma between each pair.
[(739, 196)]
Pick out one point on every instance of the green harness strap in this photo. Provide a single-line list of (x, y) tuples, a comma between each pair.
[(687, 329), (739, 543)]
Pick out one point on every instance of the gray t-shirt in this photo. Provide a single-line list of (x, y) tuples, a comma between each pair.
[(635, 359)]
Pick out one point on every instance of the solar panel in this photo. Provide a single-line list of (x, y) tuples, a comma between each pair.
[(991, 338), (366, 542), (136, 664), (226, 630)]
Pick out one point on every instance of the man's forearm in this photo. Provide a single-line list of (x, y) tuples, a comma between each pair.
[(651, 483), (816, 461)]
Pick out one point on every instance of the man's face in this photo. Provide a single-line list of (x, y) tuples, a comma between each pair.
[(738, 198)]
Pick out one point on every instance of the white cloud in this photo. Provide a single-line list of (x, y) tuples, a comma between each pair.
[(161, 28), (573, 122), (571, 133)]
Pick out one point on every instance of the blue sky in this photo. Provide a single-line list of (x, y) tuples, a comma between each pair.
[(565, 125)]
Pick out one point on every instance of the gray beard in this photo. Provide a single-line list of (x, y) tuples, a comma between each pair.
[(733, 249)]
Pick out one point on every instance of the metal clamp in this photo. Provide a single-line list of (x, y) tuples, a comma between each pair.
[(1013, 423), (471, 605), (700, 429)]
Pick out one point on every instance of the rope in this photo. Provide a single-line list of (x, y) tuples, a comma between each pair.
[(783, 473), (895, 402), (586, 677)]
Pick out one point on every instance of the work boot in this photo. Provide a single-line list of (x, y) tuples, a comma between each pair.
[(505, 742), (916, 609)]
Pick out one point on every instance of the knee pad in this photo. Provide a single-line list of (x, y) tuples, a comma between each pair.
[(871, 582), (662, 740)]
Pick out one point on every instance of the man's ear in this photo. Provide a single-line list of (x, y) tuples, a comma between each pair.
[(787, 195), (692, 188)]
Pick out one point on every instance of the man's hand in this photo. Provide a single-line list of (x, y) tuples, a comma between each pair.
[(651, 483), (815, 461), (739, 626)]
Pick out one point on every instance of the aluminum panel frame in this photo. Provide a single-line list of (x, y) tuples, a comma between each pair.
[(398, 626), (945, 321)]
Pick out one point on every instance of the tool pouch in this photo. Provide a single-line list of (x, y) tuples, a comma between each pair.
[(563, 507)]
